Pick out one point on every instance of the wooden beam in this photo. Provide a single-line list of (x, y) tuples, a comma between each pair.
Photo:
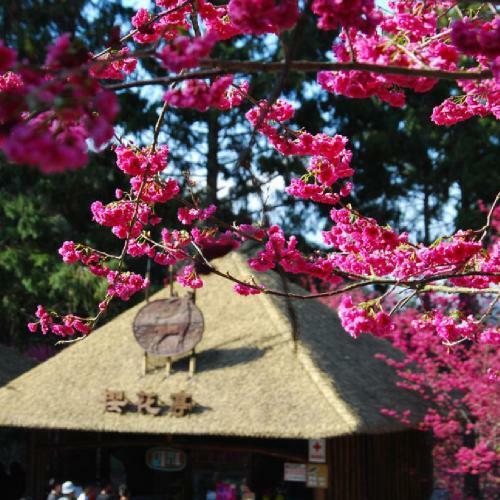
[(242, 447)]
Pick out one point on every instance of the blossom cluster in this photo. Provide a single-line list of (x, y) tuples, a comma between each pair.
[(114, 65), (462, 392), (57, 108), (263, 16), (413, 37), (357, 320), (127, 217), (197, 94), (379, 50), (184, 52), (359, 14), (68, 327), (475, 38), (479, 99), (151, 28), (330, 159)]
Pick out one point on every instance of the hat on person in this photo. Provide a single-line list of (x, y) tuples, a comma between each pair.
[(68, 487)]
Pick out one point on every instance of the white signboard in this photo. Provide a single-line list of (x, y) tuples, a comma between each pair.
[(317, 451), (295, 472)]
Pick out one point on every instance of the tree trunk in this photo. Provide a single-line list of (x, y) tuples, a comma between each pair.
[(213, 166), (427, 213)]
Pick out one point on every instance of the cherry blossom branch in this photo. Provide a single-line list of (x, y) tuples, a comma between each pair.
[(226, 67), (418, 285), (225, 225), (167, 80), (130, 34), (315, 66)]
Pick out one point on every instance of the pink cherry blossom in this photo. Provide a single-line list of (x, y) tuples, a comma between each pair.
[(184, 52), (189, 278), (263, 16), (360, 14), (7, 57)]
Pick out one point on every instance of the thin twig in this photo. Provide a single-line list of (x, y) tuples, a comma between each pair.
[(167, 80), (158, 125), (403, 302), (135, 31), (489, 309), (489, 217)]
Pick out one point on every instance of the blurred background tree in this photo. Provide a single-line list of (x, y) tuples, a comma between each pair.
[(409, 172)]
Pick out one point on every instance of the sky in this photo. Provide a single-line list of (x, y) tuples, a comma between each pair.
[(138, 4)]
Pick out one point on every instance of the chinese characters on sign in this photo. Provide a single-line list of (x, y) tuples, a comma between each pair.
[(314, 475), (147, 403), (115, 401), (182, 404), (295, 472), (165, 459), (317, 476)]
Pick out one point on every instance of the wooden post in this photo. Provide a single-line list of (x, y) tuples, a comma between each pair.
[(168, 366), (192, 364)]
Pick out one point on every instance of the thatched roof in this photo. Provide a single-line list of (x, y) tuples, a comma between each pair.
[(12, 364), (249, 381)]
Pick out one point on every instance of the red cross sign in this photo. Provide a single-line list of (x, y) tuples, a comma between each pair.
[(317, 451)]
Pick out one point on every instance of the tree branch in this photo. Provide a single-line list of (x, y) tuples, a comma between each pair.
[(314, 66)]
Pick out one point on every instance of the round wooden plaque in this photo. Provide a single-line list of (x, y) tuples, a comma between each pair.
[(169, 327)]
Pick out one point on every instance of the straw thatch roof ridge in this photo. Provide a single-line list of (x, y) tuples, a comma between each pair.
[(249, 380)]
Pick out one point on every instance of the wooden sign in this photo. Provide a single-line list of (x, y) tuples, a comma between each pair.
[(295, 472), (169, 327), (317, 451), (165, 459), (148, 403), (182, 404), (117, 402), (317, 476)]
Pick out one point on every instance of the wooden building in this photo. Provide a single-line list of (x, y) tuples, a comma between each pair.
[(260, 400)]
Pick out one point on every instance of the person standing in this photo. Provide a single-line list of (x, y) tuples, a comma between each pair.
[(106, 492), (68, 490), (88, 493), (54, 489), (123, 493)]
